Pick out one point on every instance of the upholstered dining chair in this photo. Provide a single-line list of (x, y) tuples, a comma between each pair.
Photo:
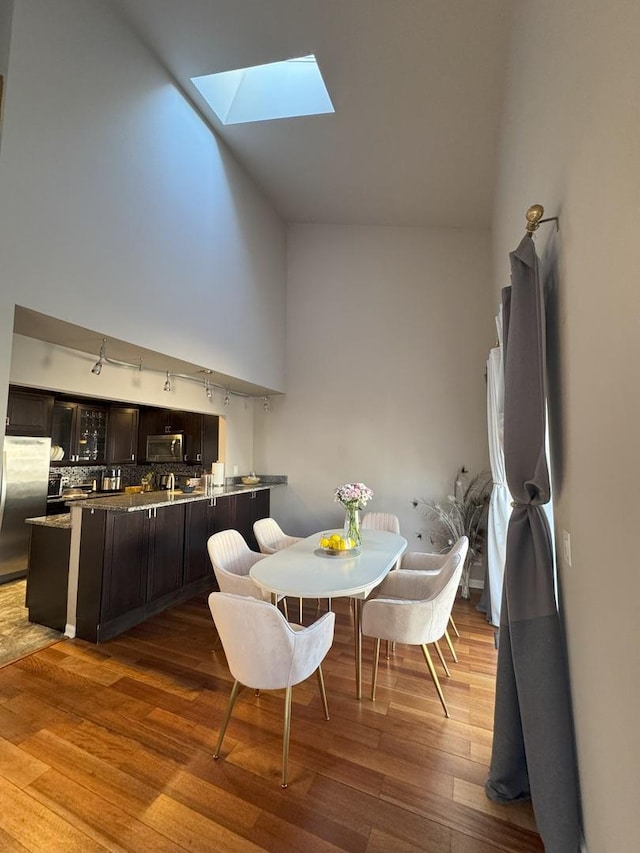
[(271, 538), (380, 521), (232, 559), (413, 607), (265, 652), (433, 564)]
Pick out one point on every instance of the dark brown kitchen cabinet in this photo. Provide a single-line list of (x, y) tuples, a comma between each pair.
[(157, 422), (165, 537), (200, 433), (131, 566), (210, 439), (203, 519), (29, 413), (122, 435), (80, 430), (246, 508), (112, 581)]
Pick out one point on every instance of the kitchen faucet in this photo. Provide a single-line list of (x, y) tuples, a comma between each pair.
[(171, 482)]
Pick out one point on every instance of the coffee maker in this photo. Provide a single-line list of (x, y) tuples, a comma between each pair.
[(111, 480)]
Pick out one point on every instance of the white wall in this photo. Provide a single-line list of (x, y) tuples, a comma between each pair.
[(120, 210), (386, 351), (571, 141)]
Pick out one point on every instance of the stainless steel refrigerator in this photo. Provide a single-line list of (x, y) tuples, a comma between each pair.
[(23, 494)]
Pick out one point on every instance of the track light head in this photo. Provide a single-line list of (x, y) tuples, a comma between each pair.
[(227, 398), (97, 367), (167, 382)]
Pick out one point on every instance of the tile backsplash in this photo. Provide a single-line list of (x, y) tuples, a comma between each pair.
[(131, 474)]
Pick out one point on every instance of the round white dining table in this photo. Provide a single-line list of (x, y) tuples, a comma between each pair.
[(304, 570)]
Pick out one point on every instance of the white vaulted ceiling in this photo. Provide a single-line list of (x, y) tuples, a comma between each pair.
[(417, 87)]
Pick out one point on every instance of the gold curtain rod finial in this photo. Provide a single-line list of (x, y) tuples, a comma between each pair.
[(534, 215)]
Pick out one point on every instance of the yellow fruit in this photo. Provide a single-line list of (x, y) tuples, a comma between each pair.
[(324, 542), (335, 538)]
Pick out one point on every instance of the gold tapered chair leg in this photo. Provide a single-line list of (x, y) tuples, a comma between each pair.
[(450, 644), (453, 625), (434, 675), (386, 649), (285, 608), (227, 716), (442, 660), (374, 674), (323, 694), (285, 736)]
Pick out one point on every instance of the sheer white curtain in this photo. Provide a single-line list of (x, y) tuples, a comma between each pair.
[(500, 503)]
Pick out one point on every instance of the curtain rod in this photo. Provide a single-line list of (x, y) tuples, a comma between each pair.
[(534, 218)]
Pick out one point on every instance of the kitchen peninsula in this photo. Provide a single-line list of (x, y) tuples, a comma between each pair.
[(134, 555)]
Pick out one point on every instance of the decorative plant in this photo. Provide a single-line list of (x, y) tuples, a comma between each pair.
[(463, 514)]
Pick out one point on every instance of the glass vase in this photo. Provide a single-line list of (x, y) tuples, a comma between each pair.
[(352, 525)]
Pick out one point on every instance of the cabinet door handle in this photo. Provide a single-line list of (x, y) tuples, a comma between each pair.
[(133, 457), (198, 457)]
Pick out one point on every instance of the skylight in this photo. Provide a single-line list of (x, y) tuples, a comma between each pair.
[(285, 89)]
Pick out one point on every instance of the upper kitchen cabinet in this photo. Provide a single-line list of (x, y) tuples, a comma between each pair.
[(200, 433), (29, 413), (122, 435), (80, 430)]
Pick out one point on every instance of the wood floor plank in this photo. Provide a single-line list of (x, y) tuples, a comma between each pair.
[(18, 767), (36, 827)]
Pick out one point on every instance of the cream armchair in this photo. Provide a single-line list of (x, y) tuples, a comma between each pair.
[(380, 521), (434, 563), (271, 538), (413, 607), (232, 559), (265, 652)]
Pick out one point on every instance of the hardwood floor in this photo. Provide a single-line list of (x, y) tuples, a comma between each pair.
[(110, 748)]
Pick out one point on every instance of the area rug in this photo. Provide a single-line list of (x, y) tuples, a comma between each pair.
[(18, 636)]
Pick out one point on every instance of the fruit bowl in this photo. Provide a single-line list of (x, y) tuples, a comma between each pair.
[(336, 545), (250, 481)]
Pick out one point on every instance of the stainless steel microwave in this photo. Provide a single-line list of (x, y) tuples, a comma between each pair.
[(165, 448)]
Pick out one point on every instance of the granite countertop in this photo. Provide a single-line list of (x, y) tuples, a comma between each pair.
[(61, 521), (133, 502)]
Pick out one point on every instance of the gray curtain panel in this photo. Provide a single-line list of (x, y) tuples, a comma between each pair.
[(533, 753)]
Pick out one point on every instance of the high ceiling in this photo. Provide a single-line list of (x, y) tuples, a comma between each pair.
[(417, 87)]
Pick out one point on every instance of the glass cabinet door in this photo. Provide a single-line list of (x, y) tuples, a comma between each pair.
[(91, 434), (62, 430)]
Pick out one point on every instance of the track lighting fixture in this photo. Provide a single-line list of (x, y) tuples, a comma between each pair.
[(97, 367), (210, 387)]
